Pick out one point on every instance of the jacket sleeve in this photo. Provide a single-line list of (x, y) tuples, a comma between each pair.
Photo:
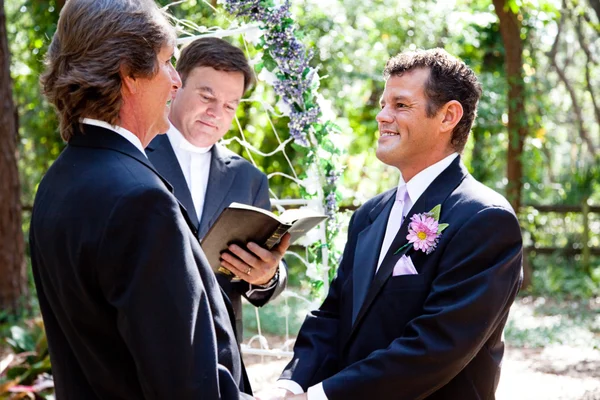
[(316, 349), (148, 273), (478, 278)]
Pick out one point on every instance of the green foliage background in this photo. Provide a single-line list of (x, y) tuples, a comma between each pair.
[(352, 40)]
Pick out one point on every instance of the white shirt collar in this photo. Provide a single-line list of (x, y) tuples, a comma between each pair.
[(179, 141), (195, 165), (420, 182), (134, 140)]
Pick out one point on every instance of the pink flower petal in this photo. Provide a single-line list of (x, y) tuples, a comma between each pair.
[(423, 225)]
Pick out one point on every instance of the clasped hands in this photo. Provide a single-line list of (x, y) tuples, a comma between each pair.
[(257, 266), (279, 394)]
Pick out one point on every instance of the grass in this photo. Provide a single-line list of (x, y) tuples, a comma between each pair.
[(544, 321), (284, 314)]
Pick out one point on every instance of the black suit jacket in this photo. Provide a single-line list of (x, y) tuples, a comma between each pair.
[(434, 335), (231, 179), (131, 308)]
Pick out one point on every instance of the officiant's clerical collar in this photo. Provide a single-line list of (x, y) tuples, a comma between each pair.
[(179, 141), (421, 181)]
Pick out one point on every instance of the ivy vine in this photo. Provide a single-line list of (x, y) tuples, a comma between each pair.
[(296, 85)]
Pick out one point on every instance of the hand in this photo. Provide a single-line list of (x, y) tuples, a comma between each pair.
[(301, 396), (258, 266), (273, 394)]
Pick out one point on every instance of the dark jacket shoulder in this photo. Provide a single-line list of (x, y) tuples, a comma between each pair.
[(480, 196), (237, 163)]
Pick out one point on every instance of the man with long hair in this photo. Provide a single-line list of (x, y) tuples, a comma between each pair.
[(131, 308)]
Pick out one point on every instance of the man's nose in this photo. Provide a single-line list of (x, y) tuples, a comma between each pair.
[(383, 116), (215, 110), (175, 78)]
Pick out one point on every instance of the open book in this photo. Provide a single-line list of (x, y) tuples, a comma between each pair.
[(241, 223)]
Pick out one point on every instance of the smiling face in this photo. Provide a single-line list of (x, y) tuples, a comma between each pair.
[(409, 140), (204, 107)]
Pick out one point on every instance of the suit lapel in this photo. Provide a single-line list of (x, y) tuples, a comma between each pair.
[(219, 183), (161, 154), (365, 259), (435, 194)]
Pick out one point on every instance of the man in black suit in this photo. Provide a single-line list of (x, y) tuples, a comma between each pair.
[(206, 176), (131, 308), (419, 303)]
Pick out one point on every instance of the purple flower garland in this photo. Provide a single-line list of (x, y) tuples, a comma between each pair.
[(288, 58)]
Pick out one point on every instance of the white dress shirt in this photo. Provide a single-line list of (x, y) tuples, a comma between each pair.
[(195, 165), (413, 189), (402, 205), (134, 140)]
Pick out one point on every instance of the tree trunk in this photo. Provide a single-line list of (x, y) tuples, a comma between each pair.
[(562, 75), (479, 163), (590, 60), (13, 275), (510, 29), (596, 6), (585, 240)]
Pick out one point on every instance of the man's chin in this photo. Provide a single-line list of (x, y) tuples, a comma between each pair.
[(386, 156), (203, 142), (200, 138)]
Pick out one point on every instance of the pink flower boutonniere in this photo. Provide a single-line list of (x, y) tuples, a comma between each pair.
[(424, 231)]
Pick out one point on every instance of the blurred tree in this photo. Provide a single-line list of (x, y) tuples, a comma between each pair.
[(30, 29), (510, 29), (479, 44), (13, 276), (560, 70), (596, 6)]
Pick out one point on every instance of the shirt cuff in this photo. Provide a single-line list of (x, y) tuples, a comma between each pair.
[(290, 385), (264, 288), (316, 392)]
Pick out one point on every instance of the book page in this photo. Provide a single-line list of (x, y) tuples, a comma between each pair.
[(241, 206), (292, 215), (303, 225)]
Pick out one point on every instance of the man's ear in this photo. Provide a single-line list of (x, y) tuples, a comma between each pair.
[(451, 115), (128, 80)]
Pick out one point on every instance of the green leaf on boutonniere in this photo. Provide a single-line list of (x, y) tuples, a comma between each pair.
[(441, 228), (435, 212), (421, 233), (402, 248)]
